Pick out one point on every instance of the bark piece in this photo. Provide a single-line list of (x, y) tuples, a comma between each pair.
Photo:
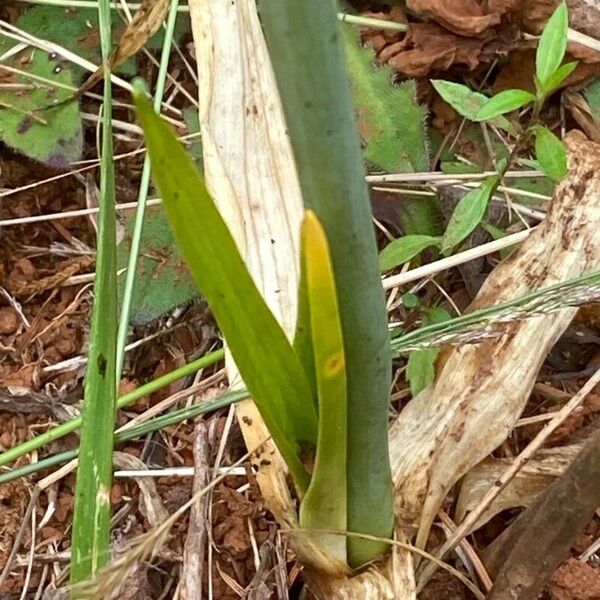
[(541, 536), (481, 389)]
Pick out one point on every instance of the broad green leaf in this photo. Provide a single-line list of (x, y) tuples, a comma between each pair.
[(265, 358), (466, 102), (468, 213), (420, 369), (558, 77), (550, 153), (552, 45), (162, 281), (504, 102), (53, 137), (410, 300), (324, 505), (306, 47), (404, 248), (392, 122)]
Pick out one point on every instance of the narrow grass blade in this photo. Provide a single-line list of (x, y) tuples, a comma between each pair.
[(143, 196), (144, 390), (91, 519), (324, 505), (172, 418), (307, 52), (265, 358)]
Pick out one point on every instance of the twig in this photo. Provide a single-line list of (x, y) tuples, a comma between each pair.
[(455, 260)]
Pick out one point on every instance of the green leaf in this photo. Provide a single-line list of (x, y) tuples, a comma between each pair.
[(53, 137), (325, 504), (504, 102), (265, 358), (392, 121), (404, 248), (162, 281), (468, 213), (90, 538), (558, 77), (466, 102), (305, 42), (420, 368), (410, 300), (550, 153), (552, 45)]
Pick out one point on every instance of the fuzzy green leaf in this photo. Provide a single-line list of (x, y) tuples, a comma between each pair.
[(392, 121), (324, 505), (468, 213), (265, 358), (162, 281), (53, 137), (404, 248), (504, 102), (552, 46), (550, 153)]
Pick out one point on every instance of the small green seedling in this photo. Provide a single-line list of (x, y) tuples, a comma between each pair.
[(549, 150)]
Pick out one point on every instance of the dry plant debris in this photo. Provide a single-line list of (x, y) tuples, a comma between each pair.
[(43, 324)]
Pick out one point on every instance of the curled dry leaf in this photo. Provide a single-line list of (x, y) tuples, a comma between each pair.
[(139, 30), (521, 491), (464, 17), (481, 389), (428, 46)]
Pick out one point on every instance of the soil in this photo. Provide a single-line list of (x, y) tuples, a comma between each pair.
[(44, 321)]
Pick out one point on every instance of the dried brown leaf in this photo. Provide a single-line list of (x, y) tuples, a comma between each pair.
[(464, 17), (140, 29)]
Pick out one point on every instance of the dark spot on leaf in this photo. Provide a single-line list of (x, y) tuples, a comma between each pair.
[(102, 365), (247, 420), (25, 125), (175, 195)]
